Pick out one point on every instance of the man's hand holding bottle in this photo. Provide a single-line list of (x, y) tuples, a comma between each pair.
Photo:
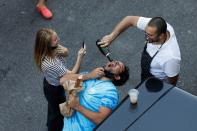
[(106, 40)]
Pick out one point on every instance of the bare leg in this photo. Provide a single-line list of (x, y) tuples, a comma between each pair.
[(41, 3)]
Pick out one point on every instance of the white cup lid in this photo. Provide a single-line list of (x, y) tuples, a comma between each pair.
[(133, 92)]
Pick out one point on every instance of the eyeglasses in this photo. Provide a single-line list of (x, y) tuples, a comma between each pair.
[(146, 34)]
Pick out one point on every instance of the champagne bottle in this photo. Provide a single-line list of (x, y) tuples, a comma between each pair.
[(104, 50)]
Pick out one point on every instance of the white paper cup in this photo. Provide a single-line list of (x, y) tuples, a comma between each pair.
[(133, 94)]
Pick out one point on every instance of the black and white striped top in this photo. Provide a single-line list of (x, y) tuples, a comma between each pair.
[(53, 69)]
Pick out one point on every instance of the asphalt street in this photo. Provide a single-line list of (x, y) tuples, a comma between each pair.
[(22, 103)]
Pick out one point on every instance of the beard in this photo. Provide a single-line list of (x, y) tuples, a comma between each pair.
[(152, 40), (108, 73), (149, 40)]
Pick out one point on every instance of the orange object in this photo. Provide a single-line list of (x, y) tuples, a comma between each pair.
[(45, 12)]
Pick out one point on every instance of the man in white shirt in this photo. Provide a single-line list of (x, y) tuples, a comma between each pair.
[(161, 55)]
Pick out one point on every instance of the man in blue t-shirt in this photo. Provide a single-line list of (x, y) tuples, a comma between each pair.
[(98, 98)]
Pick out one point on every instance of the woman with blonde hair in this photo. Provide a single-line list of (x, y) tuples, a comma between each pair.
[(49, 58)]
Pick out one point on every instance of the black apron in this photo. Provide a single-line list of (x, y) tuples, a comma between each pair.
[(146, 60)]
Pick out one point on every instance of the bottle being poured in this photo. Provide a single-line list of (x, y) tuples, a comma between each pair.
[(104, 50)]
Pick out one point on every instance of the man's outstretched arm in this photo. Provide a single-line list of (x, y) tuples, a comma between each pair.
[(125, 23)]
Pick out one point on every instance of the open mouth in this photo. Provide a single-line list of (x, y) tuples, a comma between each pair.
[(111, 64)]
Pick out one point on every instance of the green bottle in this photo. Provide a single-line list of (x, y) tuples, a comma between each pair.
[(104, 50)]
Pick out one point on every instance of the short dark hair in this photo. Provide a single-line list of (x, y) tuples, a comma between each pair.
[(124, 76), (159, 23)]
